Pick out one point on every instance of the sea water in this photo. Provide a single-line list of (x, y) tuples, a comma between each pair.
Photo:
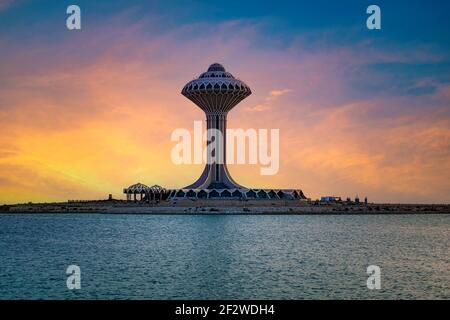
[(224, 257)]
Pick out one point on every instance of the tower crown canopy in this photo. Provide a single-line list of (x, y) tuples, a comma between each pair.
[(216, 90), (216, 67)]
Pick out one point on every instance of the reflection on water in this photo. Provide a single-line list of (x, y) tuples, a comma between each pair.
[(224, 257)]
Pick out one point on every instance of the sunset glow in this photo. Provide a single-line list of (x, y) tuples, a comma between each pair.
[(84, 114)]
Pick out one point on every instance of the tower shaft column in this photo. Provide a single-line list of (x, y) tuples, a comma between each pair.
[(216, 124)]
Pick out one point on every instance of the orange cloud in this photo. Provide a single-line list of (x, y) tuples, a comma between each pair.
[(267, 102)]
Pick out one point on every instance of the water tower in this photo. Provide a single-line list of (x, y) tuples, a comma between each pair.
[(216, 92)]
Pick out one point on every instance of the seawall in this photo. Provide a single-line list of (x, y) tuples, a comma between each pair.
[(210, 207)]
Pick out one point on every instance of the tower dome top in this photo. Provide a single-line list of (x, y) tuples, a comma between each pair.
[(216, 67)]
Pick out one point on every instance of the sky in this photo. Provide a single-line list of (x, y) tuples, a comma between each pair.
[(85, 113)]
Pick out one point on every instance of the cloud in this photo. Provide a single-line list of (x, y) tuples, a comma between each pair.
[(277, 93), (397, 160), (266, 104)]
